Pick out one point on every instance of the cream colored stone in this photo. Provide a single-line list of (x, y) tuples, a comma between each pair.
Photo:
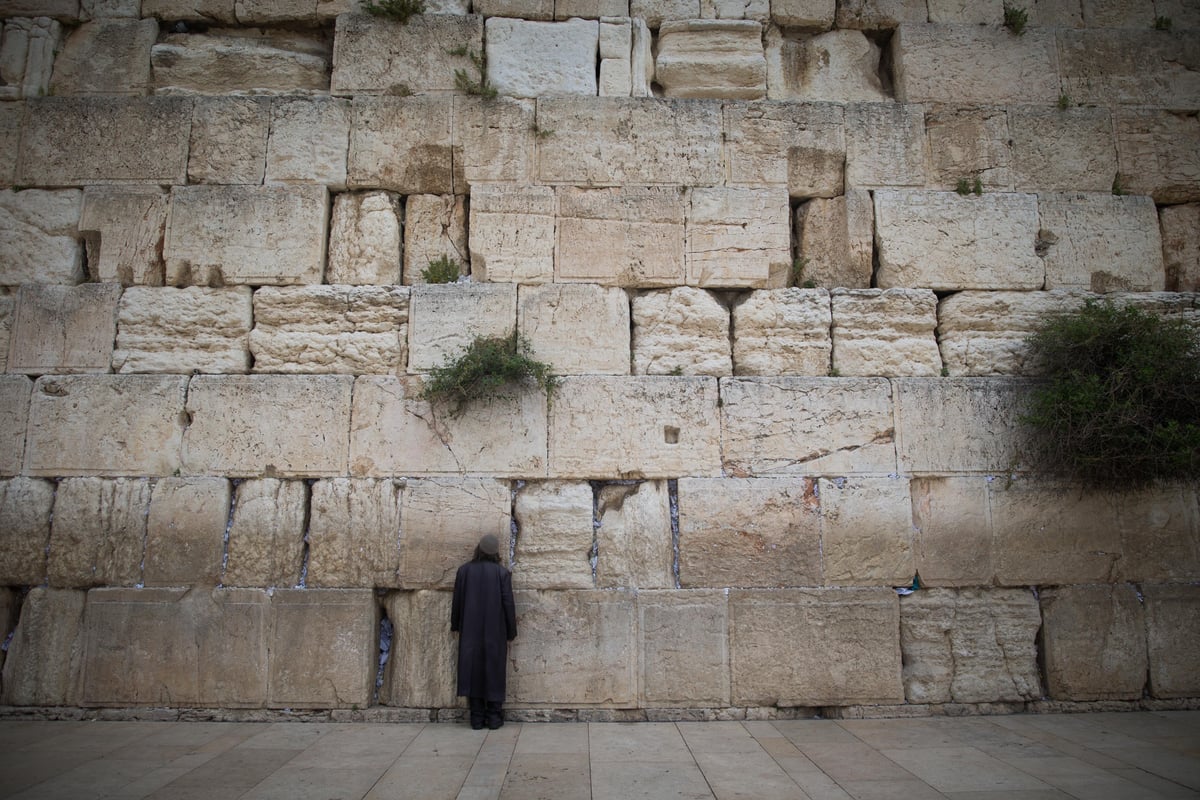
[(641, 58), (969, 12), (1157, 153), (493, 141), (445, 319), (110, 56), (43, 660), (970, 645), (711, 58), (1142, 67), (401, 144), (266, 534), (866, 531), (1094, 642), (124, 231), (616, 37), (645, 226), (229, 140), (885, 145), (512, 233), (836, 240), (682, 331), (1172, 630), (554, 539), (590, 9), (365, 239), (655, 12), (25, 505), (63, 329), (783, 426), (943, 241), (959, 424), (38, 238), (423, 661), (811, 14), (888, 332), (973, 143), (798, 145), (738, 238), (225, 60), (441, 522), (520, 9), (876, 14), (375, 55), (98, 533), (1160, 534), (105, 425), (309, 141), (683, 648), (1069, 150), (185, 532), (435, 227), (839, 66), (532, 59), (1180, 226), (323, 646), (579, 329), (246, 234), (354, 534), (782, 332), (208, 11), (655, 426), (814, 647), (953, 538), (634, 542), (193, 329), (251, 12), (1101, 242)]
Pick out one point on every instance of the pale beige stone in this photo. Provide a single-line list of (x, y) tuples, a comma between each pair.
[(839, 66), (616, 78), (814, 647), (758, 10), (1180, 226), (229, 140), (1101, 242), (266, 533), (634, 543), (1094, 642), (590, 9), (811, 14), (63, 329), (309, 141), (281, 12), (520, 9), (442, 520), (554, 536), (185, 532), (365, 239), (12, 114), (888, 332), (493, 140), (969, 12), (532, 59), (1172, 631), (375, 55), (1142, 67), (953, 538), (970, 645), (304, 670), (27, 51), (402, 144), (445, 319), (225, 60), (97, 537), (1062, 150), (885, 145), (422, 663), (974, 143), (866, 531), (836, 240), (683, 648), (876, 14), (782, 332), (207, 11), (948, 425), (124, 230), (105, 425), (513, 233), (575, 648), (655, 12), (246, 234), (643, 228), (354, 534), (435, 227), (682, 331), (749, 532), (193, 329), (944, 241), (25, 505), (798, 145), (1157, 153), (782, 426), (1055, 13), (110, 56), (39, 242), (738, 238), (1160, 534), (711, 58), (641, 58), (43, 661), (579, 329), (650, 426)]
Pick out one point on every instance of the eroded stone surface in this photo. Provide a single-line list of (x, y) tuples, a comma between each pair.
[(63, 329), (304, 670), (838, 66), (711, 58), (375, 55), (1160, 534), (1134, 66), (532, 59), (782, 332), (354, 534), (38, 237), (554, 543), (1157, 153), (1172, 631), (512, 233), (1067, 150), (738, 238), (224, 60), (1101, 242), (401, 144), (185, 532), (836, 240), (958, 424), (125, 230), (110, 56), (683, 647), (987, 333), (422, 663), (44, 655), (98, 533), (953, 535), (969, 143), (798, 145), (645, 226), (493, 141), (578, 329), (866, 531), (634, 545), (25, 505), (1180, 227), (442, 520), (682, 331), (435, 227), (876, 14), (365, 239), (1094, 642), (888, 332), (885, 145), (266, 534), (309, 141), (445, 319), (229, 140), (193, 329)]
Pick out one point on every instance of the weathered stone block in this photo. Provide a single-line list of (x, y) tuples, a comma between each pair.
[(1180, 226), (442, 520), (655, 12), (866, 531), (250, 12), (365, 239), (579, 329), (108, 57), (888, 332), (193, 329), (575, 648), (44, 655), (789, 426), (973, 142), (519, 9), (27, 50), (374, 55), (531, 59), (958, 424), (25, 505), (944, 241), (10, 608), (422, 664), (590, 9), (749, 532), (1172, 631), (354, 534), (836, 240), (229, 140), (644, 225), (738, 238), (124, 229), (207, 11), (105, 425), (435, 227), (222, 61), (634, 542), (885, 145), (876, 14), (782, 332), (1094, 642), (683, 648), (683, 331), (401, 144), (616, 78), (812, 14), (98, 533), (838, 66), (266, 535), (323, 646), (711, 58), (987, 333), (953, 537), (798, 145), (63, 329), (1062, 150), (512, 233), (445, 318), (11, 117), (977, 12), (1160, 534), (246, 234), (1101, 242), (1130, 67), (185, 532), (814, 647), (1113, 14), (39, 242), (655, 426), (970, 645), (554, 539), (1157, 153), (493, 141), (309, 141)]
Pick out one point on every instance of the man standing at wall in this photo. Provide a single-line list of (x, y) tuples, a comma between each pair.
[(484, 615)]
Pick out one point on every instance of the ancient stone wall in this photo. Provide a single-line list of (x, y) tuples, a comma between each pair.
[(792, 354)]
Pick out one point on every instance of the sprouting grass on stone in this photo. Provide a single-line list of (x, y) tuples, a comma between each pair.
[(400, 10), (1162, 23), (1015, 19), (1064, 102), (464, 83), (490, 369), (799, 265), (442, 270)]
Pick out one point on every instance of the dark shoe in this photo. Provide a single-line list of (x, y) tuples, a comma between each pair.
[(476, 726), (495, 716), (477, 712)]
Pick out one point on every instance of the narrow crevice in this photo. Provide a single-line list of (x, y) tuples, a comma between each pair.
[(594, 554), (141, 584), (673, 500), (233, 490), (874, 247), (885, 70), (386, 630), (514, 527), (302, 582)]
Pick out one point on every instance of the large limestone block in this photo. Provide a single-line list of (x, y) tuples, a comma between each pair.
[(246, 234), (250, 12), (375, 55), (185, 532), (1130, 67), (29, 46), (110, 56), (958, 424), (876, 14), (1094, 642), (944, 241), (885, 145), (1160, 534), (11, 117), (7, 301), (683, 648), (207, 11), (738, 238), (1180, 227), (633, 141), (402, 144), (442, 520), (656, 426), (124, 230), (1071, 150), (1113, 14), (836, 244), (512, 233), (682, 331), (839, 66), (324, 646), (365, 239), (886, 332), (575, 648), (229, 140), (105, 425), (1101, 242), (444, 319), (782, 332), (63, 329), (25, 505), (591, 9), (70, 141), (532, 59), (554, 539), (953, 536), (643, 232), (39, 242), (43, 661), (749, 532), (228, 60), (350, 329), (422, 664), (435, 227), (970, 645), (616, 77), (580, 329), (309, 141), (98, 533), (396, 433), (978, 12), (866, 531), (354, 534), (807, 426), (711, 58), (266, 534), (813, 14), (635, 547), (800, 145), (814, 647), (987, 333), (1172, 631), (193, 329), (655, 12), (493, 141), (1158, 155), (974, 142)]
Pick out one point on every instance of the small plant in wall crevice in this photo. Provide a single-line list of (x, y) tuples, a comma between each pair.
[(442, 269), (1015, 19), (491, 368)]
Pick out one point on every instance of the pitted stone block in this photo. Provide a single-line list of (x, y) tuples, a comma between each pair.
[(309, 141), (554, 543), (645, 229), (323, 646), (519, 9), (229, 140), (953, 535), (513, 233), (1157, 154), (738, 238), (375, 55), (493, 141), (43, 661), (124, 228), (656, 12), (354, 534), (12, 114), (423, 662), (885, 145), (969, 143), (365, 239), (838, 66), (39, 242), (798, 145), (1135, 66), (682, 331), (634, 544), (1160, 534), (836, 240), (782, 332), (25, 506), (31, 41), (683, 642), (873, 15), (1101, 242), (401, 144), (435, 227), (98, 534), (226, 60), (866, 531), (1094, 642), (266, 535), (812, 14), (987, 333), (63, 329), (208, 11), (888, 332), (1062, 150), (959, 424), (441, 522), (445, 319), (185, 532), (1172, 631), (712, 58), (108, 57), (580, 329), (532, 59), (193, 329), (1181, 246)]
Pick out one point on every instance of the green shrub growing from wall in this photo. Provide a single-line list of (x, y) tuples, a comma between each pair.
[(442, 270), (491, 368)]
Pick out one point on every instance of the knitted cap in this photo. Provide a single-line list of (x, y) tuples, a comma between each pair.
[(490, 544)]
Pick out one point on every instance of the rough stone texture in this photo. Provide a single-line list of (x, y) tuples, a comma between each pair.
[(814, 647), (354, 534), (590, 9), (63, 329), (616, 427), (422, 663), (575, 648), (1157, 153), (365, 239), (655, 12), (978, 12), (435, 226), (1094, 642), (1160, 535), (974, 142), (683, 648), (493, 141), (314, 329), (532, 59), (229, 60), (129, 425), (634, 543), (246, 234), (1180, 226), (106, 57), (27, 52), (309, 141), (885, 145), (866, 531), (783, 426), (812, 14), (838, 66), (25, 505), (39, 242), (10, 607), (616, 78), (193, 329), (711, 58), (970, 645), (229, 140), (875, 14), (1130, 67), (512, 233), (44, 654), (445, 319), (952, 531), (124, 230), (738, 238), (554, 543), (749, 532), (207, 11), (1172, 631), (442, 520), (323, 646), (682, 331), (798, 145), (402, 144), (958, 424), (1101, 242), (943, 241), (106, 9), (782, 332), (888, 332), (185, 532), (987, 333), (266, 534), (1069, 150), (836, 240), (375, 55), (12, 114), (97, 537), (643, 228), (579, 329)]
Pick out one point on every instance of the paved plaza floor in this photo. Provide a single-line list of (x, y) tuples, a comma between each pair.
[(1025, 757)]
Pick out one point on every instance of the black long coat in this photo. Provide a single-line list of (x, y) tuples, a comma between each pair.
[(485, 617)]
